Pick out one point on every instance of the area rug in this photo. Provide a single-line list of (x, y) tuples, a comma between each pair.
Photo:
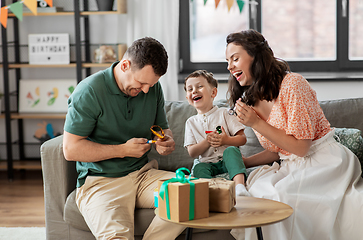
[(22, 233)]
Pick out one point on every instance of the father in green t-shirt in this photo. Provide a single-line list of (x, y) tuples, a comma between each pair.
[(106, 132)]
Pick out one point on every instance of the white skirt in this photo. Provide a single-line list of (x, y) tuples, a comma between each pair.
[(324, 188)]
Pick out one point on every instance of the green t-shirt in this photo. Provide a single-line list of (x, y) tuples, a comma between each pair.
[(100, 110)]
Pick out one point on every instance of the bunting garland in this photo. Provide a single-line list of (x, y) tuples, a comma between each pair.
[(49, 2), (32, 5), (17, 9), (240, 4), (230, 3), (4, 16)]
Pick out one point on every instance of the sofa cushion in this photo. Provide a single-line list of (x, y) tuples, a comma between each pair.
[(344, 113), (72, 215), (177, 113), (352, 139), (252, 145)]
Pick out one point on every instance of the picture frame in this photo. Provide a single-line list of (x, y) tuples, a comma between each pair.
[(45, 96)]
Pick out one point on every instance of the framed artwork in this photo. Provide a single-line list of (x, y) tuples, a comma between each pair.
[(45, 96)]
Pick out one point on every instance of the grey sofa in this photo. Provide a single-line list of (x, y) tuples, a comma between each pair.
[(64, 221)]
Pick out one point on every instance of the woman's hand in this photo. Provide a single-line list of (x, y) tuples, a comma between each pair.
[(248, 117), (245, 114)]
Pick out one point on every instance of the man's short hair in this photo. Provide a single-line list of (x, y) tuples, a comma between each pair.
[(148, 51)]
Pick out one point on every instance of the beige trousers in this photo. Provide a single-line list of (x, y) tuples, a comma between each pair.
[(108, 204)]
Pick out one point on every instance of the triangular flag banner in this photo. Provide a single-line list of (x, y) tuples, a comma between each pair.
[(17, 9), (50, 2), (205, 1), (217, 2), (229, 4), (4, 16), (32, 5), (240, 3)]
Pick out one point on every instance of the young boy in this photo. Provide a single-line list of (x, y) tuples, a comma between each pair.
[(203, 140)]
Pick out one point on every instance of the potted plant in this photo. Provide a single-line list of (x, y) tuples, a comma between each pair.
[(104, 5)]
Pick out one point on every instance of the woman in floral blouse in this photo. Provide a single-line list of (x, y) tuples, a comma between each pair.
[(318, 177)]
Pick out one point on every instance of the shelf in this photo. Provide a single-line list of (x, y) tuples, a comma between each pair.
[(23, 164), (71, 65), (101, 13), (25, 65), (103, 65), (36, 116), (29, 14)]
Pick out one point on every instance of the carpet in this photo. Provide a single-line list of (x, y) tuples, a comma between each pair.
[(22, 233)]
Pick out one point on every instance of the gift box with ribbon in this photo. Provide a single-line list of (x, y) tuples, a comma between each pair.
[(182, 199), (222, 195)]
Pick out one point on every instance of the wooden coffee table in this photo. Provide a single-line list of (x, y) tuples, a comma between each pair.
[(248, 212)]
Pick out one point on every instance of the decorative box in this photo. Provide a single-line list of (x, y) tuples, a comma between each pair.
[(222, 195), (177, 204)]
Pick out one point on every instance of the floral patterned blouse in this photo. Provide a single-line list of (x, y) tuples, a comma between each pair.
[(297, 111)]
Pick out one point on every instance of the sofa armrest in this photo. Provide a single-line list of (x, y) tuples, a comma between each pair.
[(59, 178)]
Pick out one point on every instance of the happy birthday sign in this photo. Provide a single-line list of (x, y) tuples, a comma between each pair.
[(49, 48)]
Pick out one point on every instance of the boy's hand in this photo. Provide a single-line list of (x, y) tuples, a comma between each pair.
[(215, 139)]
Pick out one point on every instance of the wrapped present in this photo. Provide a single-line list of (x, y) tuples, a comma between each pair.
[(222, 195), (182, 199)]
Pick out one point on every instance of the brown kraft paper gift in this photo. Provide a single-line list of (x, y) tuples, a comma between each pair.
[(222, 195), (179, 200)]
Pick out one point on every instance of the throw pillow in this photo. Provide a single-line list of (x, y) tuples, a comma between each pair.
[(352, 139)]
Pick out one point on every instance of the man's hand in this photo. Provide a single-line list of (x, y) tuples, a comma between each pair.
[(137, 147), (166, 145)]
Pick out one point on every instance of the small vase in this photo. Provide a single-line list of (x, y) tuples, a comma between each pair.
[(104, 5)]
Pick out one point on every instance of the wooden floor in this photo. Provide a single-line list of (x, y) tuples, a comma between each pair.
[(22, 200)]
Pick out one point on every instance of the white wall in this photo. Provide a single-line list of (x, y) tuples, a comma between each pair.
[(338, 89)]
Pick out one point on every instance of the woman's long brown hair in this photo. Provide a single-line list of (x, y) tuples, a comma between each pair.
[(266, 70)]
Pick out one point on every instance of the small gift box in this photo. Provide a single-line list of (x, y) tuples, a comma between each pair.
[(222, 195), (182, 199)]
